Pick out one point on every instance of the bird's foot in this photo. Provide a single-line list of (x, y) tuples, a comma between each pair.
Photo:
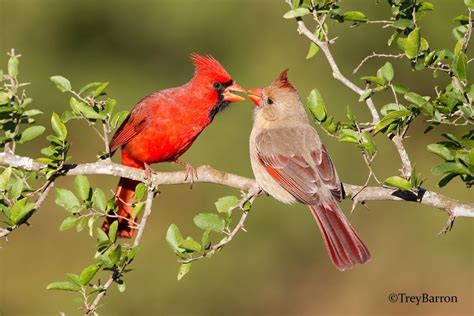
[(148, 175), (191, 173)]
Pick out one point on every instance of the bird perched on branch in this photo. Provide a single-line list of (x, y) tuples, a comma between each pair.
[(291, 164), (163, 125)]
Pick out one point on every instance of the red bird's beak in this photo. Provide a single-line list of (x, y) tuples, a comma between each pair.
[(256, 95), (229, 96)]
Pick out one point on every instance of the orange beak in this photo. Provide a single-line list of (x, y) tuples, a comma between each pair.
[(229, 96), (255, 95)]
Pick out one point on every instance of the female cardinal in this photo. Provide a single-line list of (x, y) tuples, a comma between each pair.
[(291, 164), (163, 125)]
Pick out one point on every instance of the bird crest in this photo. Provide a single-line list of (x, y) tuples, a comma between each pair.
[(282, 81), (209, 67)]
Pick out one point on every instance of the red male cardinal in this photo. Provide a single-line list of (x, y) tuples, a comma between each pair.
[(291, 164), (163, 125)]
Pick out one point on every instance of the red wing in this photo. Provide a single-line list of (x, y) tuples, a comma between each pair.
[(303, 167), (132, 125)]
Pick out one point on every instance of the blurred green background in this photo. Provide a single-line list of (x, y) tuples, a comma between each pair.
[(280, 266)]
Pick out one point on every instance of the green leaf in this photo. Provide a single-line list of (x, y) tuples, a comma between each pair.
[(74, 278), (387, 71), (415, 98), (4, 97), (441, 151), (460, 66), (300, 12), (411, 45), (312, 51), (88, 274), (183, 270), (402, 24), (113, 231), (89, 88), (174, 238), (98, 200), (398, 182), (190, 244), (390, 107), (82, 186), (84, 109), (16, 189), (115, 254), (64, 286), (316, 105), (121, 286), (469, 3), (68, 222), (20, 209), (101, 235), (13, 66), (355, 16), (226, 204), (400, 88), (118, 118), (5, 178), (31, 133), (374, 79), (61, 83), (140, 191), (450, 167), (365, 95), (100, 89), (67, 199), (58, 126), (209, 221), (205, 241), (390, 118)]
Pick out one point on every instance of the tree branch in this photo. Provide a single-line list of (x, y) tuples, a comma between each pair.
[(207, 174)]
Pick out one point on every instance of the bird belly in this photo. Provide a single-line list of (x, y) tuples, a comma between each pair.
[(159, 145)]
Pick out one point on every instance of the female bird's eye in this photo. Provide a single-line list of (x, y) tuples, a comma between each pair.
[(217, 85), (269, 101)]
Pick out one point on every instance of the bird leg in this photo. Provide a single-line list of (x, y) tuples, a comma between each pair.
[(148, 174), (191, 173)]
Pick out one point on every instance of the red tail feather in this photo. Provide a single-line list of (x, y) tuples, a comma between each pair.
[(124, 199), (344, 246)]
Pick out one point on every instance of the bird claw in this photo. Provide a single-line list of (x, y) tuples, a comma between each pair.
[(191, 174), (149, 175)]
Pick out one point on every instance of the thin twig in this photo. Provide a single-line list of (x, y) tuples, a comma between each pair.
[(374, 54)]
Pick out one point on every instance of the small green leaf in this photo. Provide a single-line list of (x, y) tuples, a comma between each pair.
[(374, 79), (88, 274), (387, 71), (355, 16), (140, 191), (390, 118), (365, 95), (316, 105), (64, 286), (87, 111), (119, 118), (460, 66), (67, 199), (411, 45), (226, 204), (74, 278), (101, 235), (31, 133), (113, 231), (20, 209), (183, 270), (400, 88), (441, 151), (209, 221), (61, 83), (205, 241), (312, 51), (16, 189), (121, 286), (4, 178), (58, 126), (415, 98), (115, 254), (68, 222), (100, 89), (190, 244), (4, 97), (98, 200), (82, 186), (402, 24), (450, 167), (174, 238), (13, 66), (300, 12), (398, 182), (89, 88)]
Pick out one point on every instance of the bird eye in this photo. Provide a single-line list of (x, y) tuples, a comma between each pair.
[(217, 85), (269, 101)]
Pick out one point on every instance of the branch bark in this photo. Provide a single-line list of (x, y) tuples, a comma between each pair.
[(207, 174)]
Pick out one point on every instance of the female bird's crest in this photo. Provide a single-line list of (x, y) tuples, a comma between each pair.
[(209, 67), (282, 81)]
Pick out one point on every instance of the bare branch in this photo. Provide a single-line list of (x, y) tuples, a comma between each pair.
[(406, 164), (374, 54), (207, 174), (324, 46)]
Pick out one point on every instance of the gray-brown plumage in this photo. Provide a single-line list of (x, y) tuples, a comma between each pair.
[(291, 164)]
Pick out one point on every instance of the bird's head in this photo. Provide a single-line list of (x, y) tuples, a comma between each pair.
[(277, 101), (215, 83)]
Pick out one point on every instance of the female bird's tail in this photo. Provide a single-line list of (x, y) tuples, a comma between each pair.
[(124, 200), (344, 246)]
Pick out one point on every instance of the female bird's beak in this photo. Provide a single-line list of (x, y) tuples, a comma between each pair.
[(229, 96), (255, 95)]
